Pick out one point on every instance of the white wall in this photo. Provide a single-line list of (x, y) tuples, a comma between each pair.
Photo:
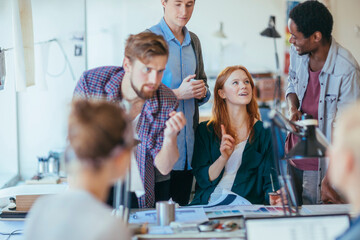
[(43, 114), (346, 18), (243, 21), (8, 136)]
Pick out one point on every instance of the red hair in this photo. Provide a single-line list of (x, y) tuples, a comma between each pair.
[(220, 113)]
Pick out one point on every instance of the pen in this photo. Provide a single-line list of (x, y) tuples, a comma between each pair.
[(272, 183)]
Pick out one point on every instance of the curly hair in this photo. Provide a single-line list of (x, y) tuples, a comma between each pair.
[(312, 16)]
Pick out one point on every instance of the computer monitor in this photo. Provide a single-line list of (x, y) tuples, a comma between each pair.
[(317, 227)]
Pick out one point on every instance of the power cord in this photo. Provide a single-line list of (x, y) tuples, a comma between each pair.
[(13, 233)]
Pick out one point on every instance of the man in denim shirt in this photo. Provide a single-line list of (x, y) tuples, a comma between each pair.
[(323, 78), (185, 64)]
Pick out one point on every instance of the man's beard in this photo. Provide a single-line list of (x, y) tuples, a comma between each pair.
[(141, 93)]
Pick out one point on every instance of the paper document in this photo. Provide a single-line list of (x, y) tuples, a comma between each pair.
[(2, 69), (245, 210), (325, 209), (33, 190), (228, 198), (181, 215)]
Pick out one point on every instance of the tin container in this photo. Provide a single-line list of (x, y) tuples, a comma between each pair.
[(53, 166), (165, 212)]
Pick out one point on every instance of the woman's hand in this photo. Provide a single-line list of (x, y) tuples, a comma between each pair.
[(275, 198), (226, 149), (227, 144)]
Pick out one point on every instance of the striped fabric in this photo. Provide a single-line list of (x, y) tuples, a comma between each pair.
[(105, 83)]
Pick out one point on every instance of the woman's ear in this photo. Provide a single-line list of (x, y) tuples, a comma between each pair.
[(221, 93), (122, 163)]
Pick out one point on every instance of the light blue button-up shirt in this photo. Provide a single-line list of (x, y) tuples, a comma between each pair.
[(181, 63), (339, 83)]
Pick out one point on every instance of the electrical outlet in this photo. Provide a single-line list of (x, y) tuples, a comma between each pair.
[(78, 50)]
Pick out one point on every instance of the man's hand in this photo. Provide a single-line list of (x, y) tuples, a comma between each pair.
[(174, 124), (191, 89), (294, 114), (293, 105), (328, 194), (227, 144), (169, 153)]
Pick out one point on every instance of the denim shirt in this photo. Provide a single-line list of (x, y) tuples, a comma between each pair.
[(339, 83), (181, 63)]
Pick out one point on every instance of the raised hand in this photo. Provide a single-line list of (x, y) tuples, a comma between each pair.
[(227, 144), (174, 124)]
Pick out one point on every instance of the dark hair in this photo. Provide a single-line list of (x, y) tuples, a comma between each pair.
[(144, 46), (312, 16), (95, 129), (220, 113)]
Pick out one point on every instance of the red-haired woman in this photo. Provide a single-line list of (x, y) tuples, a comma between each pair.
[(233, 151)]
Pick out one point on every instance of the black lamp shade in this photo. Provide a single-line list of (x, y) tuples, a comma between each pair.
[(270, 31), (308, 147)]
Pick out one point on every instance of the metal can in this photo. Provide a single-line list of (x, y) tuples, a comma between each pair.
[(165, 212), (53, 166), (41, 166)]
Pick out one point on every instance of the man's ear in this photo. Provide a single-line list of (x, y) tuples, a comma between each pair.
[(163, 3), (127, 64), (221, 93), (317, 36)]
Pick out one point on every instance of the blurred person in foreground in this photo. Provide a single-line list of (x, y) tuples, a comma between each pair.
[(344, 166), (101, 139)]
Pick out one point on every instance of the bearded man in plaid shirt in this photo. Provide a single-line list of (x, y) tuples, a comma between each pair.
[(152, 107)]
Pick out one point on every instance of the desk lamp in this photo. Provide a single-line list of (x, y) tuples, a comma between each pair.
[(308, 147), (271, 32)]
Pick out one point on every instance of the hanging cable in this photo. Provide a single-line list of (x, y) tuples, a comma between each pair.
[(67, 62)]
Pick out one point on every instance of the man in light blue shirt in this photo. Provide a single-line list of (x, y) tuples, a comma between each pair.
[(185, 64)]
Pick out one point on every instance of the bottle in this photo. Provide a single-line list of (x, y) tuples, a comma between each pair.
[(40, 166)]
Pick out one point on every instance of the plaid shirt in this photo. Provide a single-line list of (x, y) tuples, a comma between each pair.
[(105, 83)]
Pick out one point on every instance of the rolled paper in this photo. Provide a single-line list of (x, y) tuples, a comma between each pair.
[(40, 79), (2, 70), (23, 44)]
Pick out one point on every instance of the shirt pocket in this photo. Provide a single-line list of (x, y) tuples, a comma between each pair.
[(330, 105), (292, 78)]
